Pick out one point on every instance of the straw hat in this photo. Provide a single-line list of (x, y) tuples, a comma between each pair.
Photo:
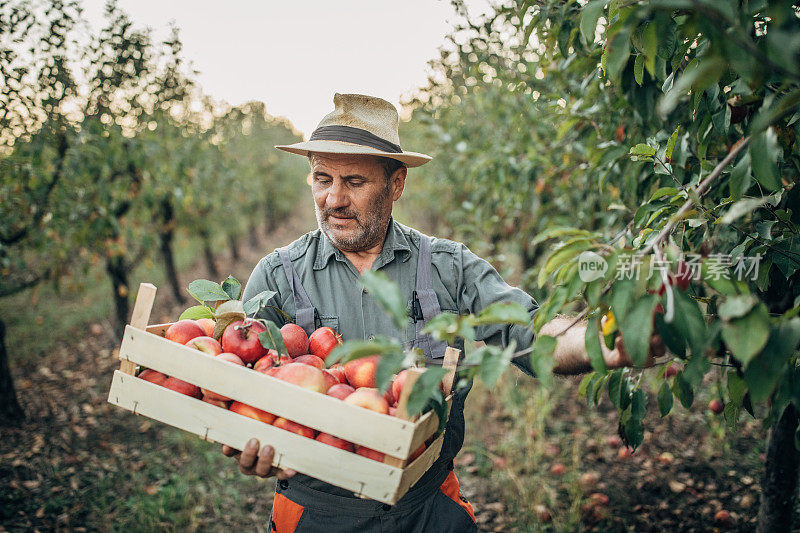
[(359, 124)]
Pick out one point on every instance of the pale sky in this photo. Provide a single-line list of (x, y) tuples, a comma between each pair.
[(295, 55)]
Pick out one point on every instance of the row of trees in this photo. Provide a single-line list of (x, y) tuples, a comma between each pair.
[(644, 159), (108, 148)]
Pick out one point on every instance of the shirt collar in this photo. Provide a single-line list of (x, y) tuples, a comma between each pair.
[(396, 241)]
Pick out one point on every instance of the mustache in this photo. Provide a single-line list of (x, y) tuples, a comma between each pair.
[(339, 213)]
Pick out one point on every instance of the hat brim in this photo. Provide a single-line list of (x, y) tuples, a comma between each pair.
[(411, 159)]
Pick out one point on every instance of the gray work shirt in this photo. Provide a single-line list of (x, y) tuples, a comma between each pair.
[(463, 283)]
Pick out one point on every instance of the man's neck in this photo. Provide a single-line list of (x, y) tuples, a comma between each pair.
[(364, 259)]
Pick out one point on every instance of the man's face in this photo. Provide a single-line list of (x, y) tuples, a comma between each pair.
[(353, 199)]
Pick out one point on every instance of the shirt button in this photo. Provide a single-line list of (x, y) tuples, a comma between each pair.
[(283, 484), (363, 291), (387, 507)]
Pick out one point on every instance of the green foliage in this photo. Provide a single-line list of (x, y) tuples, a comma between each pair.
[(654, 133)]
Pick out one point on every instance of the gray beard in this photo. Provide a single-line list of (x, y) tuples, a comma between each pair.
[(370, 232)]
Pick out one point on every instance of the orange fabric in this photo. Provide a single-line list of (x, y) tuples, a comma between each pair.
[(452, 490), (285, 514)]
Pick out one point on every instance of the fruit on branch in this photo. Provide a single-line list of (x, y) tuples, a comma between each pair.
[(716, 406), (671, 371), (183, 331), (241, 338)]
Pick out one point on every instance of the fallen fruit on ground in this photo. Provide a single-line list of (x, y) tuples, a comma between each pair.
[(361, 372), (335, 442), (183, 331), (303, 375), (558, 469), (368, 398), (241, 338), (295, 339), (207, 345), (294, 427), (252, 412)]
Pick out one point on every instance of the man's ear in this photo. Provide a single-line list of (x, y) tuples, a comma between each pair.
[(398, 182)]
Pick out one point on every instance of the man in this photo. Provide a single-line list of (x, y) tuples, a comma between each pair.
[(358, 171)]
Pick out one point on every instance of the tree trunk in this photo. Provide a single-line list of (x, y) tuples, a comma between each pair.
[(529, 255), (118, 273), (779, 485), (166, 235), (233, 242), (10, 410), (253, 234), (208, 253)]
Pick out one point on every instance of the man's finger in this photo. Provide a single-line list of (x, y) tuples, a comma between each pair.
[(248, 457), (264, 463), (285, 474)]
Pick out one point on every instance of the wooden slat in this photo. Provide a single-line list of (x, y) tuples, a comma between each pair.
[(450, 363), (140, 317), (383, 433), (421, 464), (158, 329), (428, 425), (344, 469)]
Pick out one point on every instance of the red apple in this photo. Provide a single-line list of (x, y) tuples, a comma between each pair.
[(361, 372), (303, 375), (341, 391), (330, 379), (294, 427), (153, 376), (558, 469), (295, 339), (183, 387), (397, 385), (241, 338), (335, 442), (271, 360), (369, 453), (309, 359), (218, 403), (716, 406), (368, 398), (208, 325), (392, 410), (207, 345), (252, 412), (232, 358), (338, 372), (183, 331), (671, 371), (322, 341)]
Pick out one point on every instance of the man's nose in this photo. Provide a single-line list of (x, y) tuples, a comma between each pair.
[(337, 197)]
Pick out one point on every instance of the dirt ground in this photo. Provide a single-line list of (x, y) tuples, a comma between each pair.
[(80, 464)]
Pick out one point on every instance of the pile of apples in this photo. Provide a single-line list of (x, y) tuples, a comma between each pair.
[(304, 366)]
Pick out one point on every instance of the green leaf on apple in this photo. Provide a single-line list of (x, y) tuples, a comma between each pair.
[(258, 302), (232, 288), (225, 314), (204, 290), (271, 339), (196, 312), (387, 294)]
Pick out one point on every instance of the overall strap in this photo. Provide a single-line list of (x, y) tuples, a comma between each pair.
[(429, 303), (305, 310)]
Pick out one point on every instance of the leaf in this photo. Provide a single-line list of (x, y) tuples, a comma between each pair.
[(643, 151), (747, 335), (387, 294), (225, 314), (255, 304), (634, 431), (664, 399), (494, 363), (737, 306), (503, 313), (425, 388), (736, 388), (271, 339), (593, 348), (673, 139), (589, 16), (616, 53), (449, 326), (204, 290), (688, 321), (197, 311), (350, 350), (388, 365), (763, 156), (637, 327), (621, 296), (740, 178), (615, 387), (557, 232), (663, 191), (763, 372), (683, 391), (232, 287), (542, 358), (638, 69), (743, 207)]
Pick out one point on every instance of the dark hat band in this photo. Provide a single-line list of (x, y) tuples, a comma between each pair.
[(353, 135)]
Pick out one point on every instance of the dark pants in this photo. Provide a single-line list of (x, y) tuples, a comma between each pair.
[(436, 507)]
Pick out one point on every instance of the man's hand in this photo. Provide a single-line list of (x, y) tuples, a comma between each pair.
[(255, 462), (619, 358)]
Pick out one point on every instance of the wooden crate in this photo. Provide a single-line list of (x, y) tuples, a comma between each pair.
[(396, 437)]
